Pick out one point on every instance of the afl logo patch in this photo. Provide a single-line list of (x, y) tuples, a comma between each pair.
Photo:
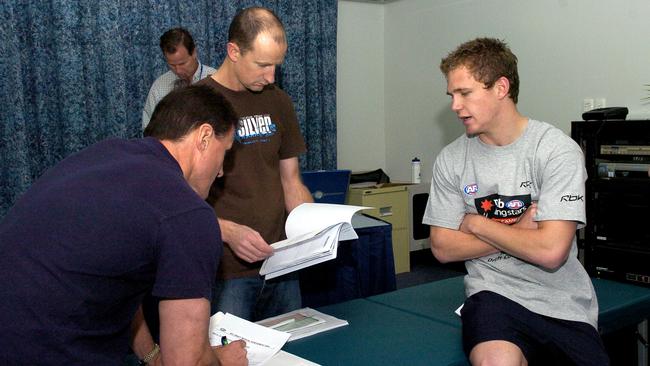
[(471, 189), (515, 204)]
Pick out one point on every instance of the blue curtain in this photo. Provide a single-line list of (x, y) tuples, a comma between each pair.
[(76, 72)]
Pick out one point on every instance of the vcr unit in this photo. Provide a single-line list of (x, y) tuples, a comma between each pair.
[(616, 238)]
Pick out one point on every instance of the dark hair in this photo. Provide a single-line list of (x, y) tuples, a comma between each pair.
[(174, 37), (184, 109), (250, 22), (487, 59)]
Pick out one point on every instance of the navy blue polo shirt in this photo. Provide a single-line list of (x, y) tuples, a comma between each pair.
[(88, 240)]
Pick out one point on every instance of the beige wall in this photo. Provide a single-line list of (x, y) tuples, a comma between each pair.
[(388, 76), (361, 122)]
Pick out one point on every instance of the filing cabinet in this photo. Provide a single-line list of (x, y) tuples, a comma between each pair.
[(389, 203)]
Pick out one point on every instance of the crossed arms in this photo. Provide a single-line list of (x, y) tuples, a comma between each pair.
[(544, 243)]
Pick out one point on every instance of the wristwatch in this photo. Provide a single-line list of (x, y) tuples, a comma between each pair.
[(149, 356)]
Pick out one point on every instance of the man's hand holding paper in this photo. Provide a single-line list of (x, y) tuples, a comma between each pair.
[(313, 234)]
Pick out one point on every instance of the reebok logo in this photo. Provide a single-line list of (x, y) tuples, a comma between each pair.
[(571, 198)]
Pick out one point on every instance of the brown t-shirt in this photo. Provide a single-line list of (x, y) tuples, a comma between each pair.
[(250, 192)]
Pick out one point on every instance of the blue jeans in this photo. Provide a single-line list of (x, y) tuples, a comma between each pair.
[(254, 299)]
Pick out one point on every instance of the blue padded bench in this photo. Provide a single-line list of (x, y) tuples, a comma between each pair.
[(418, 326)]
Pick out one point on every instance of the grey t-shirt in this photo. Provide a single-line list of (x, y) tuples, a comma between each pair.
[(500, 182)]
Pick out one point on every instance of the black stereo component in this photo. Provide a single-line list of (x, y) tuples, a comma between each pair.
[(607, 113), (617, 235), (616, 238), (623, 170)]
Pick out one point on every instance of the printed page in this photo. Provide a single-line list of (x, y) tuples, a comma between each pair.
[(301, 239), (322, 258), (261, 342), (322, 243), (309, 217), (315, 250), (313, 234)]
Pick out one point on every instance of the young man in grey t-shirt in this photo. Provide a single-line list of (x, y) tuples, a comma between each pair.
[(507, 198)]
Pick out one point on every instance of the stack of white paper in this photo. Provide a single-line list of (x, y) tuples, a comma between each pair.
[(313, 234)]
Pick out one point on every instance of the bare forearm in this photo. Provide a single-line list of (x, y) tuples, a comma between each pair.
[(450, 245), (247, 243), (295, 192), (227, 228), (294, 197), (141, 340), (547, 246), (206, 358), (184, 332)]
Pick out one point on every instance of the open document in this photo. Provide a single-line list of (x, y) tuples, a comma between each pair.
[(313, 234), (262, 343), (303, 322)]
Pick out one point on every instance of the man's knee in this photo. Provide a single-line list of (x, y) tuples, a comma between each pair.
[(497, 353)]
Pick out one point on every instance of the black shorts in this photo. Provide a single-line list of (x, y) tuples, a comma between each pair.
[(488, 316)]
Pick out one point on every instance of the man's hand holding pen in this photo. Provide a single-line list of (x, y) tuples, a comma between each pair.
[(231, 353)]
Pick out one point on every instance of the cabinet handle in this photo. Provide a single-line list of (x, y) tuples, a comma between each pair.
[(386, 211)]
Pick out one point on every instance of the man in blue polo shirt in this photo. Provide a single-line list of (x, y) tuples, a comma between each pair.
[(105, 226)]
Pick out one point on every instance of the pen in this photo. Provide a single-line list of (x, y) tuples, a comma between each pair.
[(224, 341)]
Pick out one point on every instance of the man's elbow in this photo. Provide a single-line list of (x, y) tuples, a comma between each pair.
[(440, 255), (438, 251), (554, 259)]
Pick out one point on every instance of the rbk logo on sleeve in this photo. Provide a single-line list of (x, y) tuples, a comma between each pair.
[(504, 209)]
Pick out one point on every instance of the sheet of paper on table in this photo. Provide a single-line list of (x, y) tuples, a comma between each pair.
[(303, 323), (262, 343)]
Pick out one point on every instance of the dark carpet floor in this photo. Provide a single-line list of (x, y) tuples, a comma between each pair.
[(425, 268)]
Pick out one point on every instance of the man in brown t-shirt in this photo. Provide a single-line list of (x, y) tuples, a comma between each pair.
[(261, 182)]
